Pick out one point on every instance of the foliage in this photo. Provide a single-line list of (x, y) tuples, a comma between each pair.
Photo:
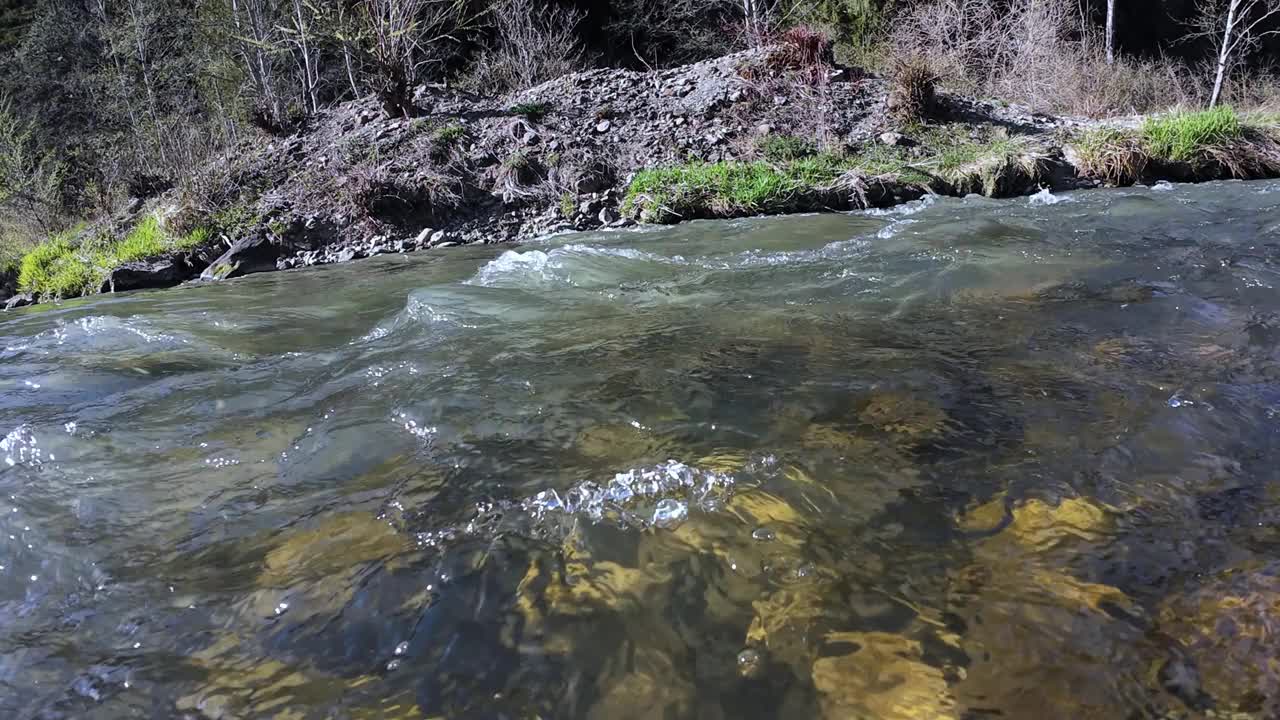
[(735, 188), (75, 263), (56, 269), (1114, 156), (784, 148), (534, 111), (449, 134), (1182, 136)]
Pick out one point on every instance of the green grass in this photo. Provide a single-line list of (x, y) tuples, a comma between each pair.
[(950, 161), (449, 134), (531, 110), (56, 268), (67, 265), (1217, 142), (991, 166), (724, 189), (1184, 136)]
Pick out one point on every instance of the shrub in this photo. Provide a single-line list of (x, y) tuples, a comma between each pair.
[(784, 148), (567, 206), (1184, 136), (804, 52), (911, 94)]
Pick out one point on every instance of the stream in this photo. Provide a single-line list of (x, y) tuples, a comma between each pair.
[(963, 458)]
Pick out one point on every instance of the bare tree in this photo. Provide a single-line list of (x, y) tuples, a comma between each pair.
[(667, 33), (758, 18), (403, 35), (301, 37), (1237, 28), (254, 30), (1111, 32), (534, 44)]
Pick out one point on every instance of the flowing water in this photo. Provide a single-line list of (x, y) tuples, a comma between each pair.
[(960, 459)]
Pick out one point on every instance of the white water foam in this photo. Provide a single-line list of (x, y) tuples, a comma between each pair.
[(1045, 197), (905, 209), (556, 266)]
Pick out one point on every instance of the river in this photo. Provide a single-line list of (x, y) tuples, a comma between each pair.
[(961, 458)]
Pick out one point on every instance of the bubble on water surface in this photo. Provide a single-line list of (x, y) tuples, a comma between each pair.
[(402, 648), (21, 447)]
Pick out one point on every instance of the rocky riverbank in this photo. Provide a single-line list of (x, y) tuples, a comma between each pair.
[(750, 133)]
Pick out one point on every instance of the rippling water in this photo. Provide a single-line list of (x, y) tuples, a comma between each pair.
[(960, 459)]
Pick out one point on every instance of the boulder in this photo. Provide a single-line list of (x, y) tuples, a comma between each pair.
[(142, 274), (246, 256), (18, 301)]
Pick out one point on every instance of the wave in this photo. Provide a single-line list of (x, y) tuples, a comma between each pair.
[(574, 265)]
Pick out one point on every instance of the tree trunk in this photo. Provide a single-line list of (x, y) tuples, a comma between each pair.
[(1111, 31), (1224, 53)]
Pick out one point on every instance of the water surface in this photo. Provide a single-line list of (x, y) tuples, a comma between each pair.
[(960, 459)]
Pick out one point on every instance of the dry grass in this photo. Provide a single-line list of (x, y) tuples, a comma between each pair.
[(1113, 156), (912, 96)]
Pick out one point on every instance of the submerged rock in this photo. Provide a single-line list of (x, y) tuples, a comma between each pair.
[(1228, 630), (885, 678)]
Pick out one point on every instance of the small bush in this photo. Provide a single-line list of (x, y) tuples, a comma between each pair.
[(1185, 136), (785, 148), (533, 111), (912, 95), (804, 52), (567, 206)]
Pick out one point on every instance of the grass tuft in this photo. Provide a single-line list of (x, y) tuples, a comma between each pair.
[(449, 134), (1186, 136), (534, 111)]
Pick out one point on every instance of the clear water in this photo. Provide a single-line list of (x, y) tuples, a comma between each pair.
[(968, 458)]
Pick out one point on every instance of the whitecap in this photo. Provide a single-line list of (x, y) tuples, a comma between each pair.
[(907, 208)]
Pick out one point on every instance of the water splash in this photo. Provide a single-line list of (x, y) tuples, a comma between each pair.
[(650, 496), (1044, 197)]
